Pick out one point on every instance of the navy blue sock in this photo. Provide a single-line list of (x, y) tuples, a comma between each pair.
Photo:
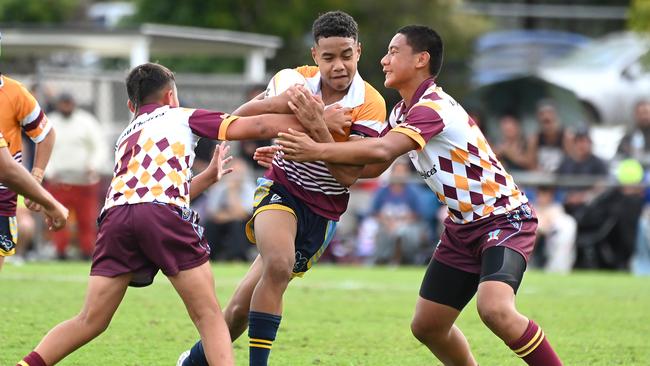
[(262, 328), (197, 356)]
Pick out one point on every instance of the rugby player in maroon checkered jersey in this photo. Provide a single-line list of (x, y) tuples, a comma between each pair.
[(490, 229), (146, 224)]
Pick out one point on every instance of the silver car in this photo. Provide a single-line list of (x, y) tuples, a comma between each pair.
[(609, 76)]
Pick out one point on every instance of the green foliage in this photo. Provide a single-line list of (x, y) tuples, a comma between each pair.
[(38, 11), (639, 16), (350, 316), (292, 20)]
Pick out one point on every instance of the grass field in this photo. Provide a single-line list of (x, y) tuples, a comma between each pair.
[(348, 316)]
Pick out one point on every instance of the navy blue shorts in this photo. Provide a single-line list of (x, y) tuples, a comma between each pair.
[(8, 235), (314, 232)]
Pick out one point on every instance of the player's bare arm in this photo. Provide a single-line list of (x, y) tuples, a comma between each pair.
[(41, 158), (298, 146), (265, 126), (336, 118), (14, 176), (261, 105), (214, 172), (310, 110)]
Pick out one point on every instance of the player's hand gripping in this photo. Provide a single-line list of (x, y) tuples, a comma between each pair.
[(298, 146), (264, 155), (56, 216), (217, 167), (310, 111), (337, 119)]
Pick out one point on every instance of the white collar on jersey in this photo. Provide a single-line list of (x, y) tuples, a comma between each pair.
[(356, 94)]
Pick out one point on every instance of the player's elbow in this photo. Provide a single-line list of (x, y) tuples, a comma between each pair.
[(382, 154)]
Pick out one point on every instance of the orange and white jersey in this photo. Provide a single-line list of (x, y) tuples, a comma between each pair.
[(155, 152), (312, 182), (454, 157), (19, 111)]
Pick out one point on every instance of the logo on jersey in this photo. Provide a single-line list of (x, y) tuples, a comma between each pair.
[(525, 209), (275, 198), (494, 235), (428, 173)]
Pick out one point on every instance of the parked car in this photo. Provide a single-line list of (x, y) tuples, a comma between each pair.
[(609, 76), (504, 55)]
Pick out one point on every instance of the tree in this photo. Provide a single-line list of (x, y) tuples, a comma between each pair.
[(292, 20), (38, 11), (639, 16)]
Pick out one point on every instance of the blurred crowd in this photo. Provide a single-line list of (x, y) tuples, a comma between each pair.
[(593, 213)]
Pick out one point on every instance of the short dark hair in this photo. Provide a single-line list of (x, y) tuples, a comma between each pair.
[(424, 39), (146, 80), (335, 24)]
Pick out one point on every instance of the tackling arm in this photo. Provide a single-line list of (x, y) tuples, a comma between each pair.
[(299, 147)]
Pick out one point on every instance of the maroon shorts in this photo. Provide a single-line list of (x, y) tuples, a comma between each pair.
[(462, 245), (147, 237)]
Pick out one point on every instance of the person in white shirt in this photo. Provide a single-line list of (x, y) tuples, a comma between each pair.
[(73, 177)]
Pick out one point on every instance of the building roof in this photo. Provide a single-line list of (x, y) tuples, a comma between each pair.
[(139, 43)]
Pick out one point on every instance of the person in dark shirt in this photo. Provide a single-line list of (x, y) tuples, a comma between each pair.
[(584, 163)]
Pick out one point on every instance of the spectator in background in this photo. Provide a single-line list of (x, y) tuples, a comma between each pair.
[(73, 177), (582, 162), (512, 149), (635, 146), (396, 208), (557, 233), (229, 206), (636, 143), (551, 143)]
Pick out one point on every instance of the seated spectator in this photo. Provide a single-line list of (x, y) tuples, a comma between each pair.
[(512, 149), (636, 143), (396, 207), (229, 205), (557, 233), (547, 147), (582, 162)]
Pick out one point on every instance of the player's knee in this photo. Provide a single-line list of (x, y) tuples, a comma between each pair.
[(93, 324), (200, 314), (494, 314), (425, 330)]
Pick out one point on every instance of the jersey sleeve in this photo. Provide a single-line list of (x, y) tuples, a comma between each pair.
[(422, 123), (30, 115), (210, 124), (371, 119)]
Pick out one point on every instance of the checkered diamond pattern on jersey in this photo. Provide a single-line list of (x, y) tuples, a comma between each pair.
[(472, 181), (158, 171)]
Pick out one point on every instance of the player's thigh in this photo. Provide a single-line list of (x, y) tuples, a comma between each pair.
[(275, 233), (503, 264), (502, 270), (449, 286), (195, 286)]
